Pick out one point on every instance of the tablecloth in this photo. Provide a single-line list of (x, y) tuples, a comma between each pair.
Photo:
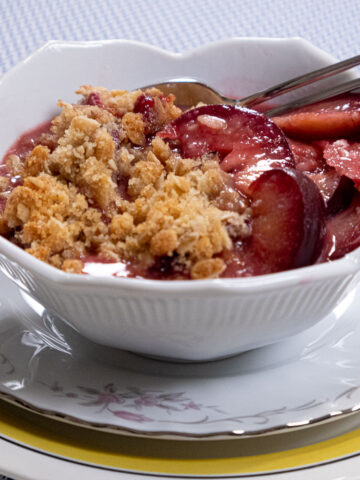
[(176, 25)]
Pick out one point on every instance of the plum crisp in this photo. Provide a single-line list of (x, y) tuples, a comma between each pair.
[(127, 181)]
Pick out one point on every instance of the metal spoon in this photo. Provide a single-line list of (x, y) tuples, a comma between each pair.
[(189, 92)]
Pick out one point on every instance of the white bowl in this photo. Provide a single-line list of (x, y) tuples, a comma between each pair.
[(181, 320)]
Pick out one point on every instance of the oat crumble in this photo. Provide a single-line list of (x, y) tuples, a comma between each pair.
[(102, 183)]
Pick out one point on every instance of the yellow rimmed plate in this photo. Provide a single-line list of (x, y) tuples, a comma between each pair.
[(293, 452)]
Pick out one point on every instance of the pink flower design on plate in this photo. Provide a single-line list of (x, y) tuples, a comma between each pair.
[(147, 400), (107, 398), (132, 398), (192, 406), (104, 398)]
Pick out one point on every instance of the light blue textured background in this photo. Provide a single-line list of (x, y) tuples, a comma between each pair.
[(176, 25)]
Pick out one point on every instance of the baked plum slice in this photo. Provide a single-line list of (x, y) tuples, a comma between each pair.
[(338, 117), (247, 141), (154, 109), (308, 156), (344, 156), (336, 188), (288, 220), (94, 100), (145, 104), (343, 232)]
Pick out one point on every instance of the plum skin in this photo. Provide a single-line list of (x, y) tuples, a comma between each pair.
[(296, 205)]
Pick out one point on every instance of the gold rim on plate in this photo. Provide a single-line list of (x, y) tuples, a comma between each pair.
[(178, 458)]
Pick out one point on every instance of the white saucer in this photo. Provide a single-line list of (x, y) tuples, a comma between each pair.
[(307, 379)]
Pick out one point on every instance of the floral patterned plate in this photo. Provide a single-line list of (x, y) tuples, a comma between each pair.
[(307, 379)]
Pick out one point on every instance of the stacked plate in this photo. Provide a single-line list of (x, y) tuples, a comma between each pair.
[(277, 398), (70, 407)]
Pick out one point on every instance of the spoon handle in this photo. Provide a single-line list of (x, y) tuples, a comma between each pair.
[(315, 97), (300, 81)]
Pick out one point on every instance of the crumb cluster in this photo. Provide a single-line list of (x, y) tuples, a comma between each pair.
[(102, 183)]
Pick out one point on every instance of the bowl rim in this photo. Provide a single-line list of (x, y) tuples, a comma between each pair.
[(214, 45), (347, 265), (342, 267)]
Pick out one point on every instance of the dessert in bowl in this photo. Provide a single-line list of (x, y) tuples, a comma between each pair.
[(128, 180)]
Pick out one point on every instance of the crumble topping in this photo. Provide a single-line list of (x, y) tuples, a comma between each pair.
[(102, 184)]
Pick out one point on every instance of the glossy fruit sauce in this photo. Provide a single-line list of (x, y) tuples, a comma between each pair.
[(22, 147), (299, 172)]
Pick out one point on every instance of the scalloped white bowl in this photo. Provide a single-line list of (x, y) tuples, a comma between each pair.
[(180, 320)]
